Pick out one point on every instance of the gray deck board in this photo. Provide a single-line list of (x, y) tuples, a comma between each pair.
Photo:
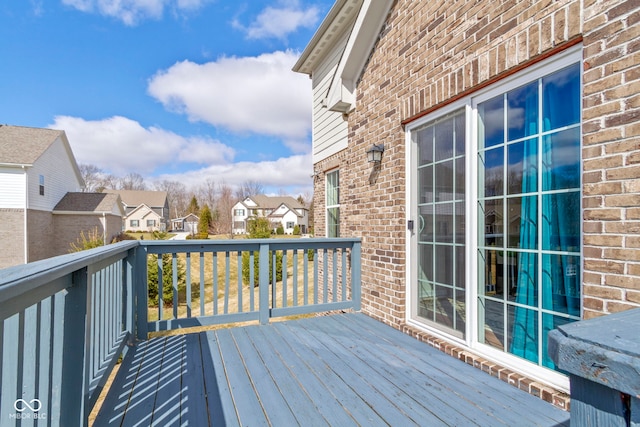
[(345, 369)]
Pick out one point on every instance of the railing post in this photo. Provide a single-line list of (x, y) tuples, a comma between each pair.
[(601, 356), (356, 278), (263, 283), (141, 293), (74, 360)]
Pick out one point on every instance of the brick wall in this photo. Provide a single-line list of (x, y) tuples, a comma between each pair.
[(40, 235), (12, 237), (428, 54), (69, 227), (611, 155)]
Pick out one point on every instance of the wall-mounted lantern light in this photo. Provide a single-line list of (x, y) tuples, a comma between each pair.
[(374, 154)]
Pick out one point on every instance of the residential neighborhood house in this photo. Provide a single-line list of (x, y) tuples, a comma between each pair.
[(144, 210), (282, 211), (187, 223), (41, 210), (487, 153)]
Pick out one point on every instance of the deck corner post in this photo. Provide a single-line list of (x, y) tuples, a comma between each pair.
[(263, 280), (356, 275), (141, 302), (601, 356), (73, 391)]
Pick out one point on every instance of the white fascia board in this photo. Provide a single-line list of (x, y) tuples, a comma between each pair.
[(341, 95)]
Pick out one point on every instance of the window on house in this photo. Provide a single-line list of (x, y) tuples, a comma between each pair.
[(525, 200), (238, 212), (151, 223), (529, 206), (333, 203), (291, 224), (134, 223), (41, 185)]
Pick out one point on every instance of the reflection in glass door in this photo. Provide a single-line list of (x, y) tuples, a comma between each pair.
[(441, 294)]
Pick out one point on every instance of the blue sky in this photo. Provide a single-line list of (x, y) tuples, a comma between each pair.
[(182, 90)]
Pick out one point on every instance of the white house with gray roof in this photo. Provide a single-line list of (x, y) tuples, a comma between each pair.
[(284, 210), (37, 169), (144, 210)]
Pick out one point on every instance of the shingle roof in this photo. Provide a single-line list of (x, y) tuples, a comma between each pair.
[(23, 145), (87, 202), (132, 198), (266, 202)]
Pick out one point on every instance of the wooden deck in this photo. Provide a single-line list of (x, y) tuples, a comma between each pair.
[(338, 370)]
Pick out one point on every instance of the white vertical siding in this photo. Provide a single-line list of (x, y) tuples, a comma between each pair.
[(59, 178), (329, 127), (12, 188)]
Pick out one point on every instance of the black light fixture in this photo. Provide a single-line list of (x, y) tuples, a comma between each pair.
[(374, 154)]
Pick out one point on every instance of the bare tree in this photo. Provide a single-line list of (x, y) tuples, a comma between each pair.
[(92, 176), (249, 188), (132, 181), (176, 196), (224, 224), (207, 193)]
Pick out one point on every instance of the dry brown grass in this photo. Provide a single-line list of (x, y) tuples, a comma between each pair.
[(237, 294)]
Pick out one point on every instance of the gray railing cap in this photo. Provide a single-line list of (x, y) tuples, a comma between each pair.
[(605, 350)]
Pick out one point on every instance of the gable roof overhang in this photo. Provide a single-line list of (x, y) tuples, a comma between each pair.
[(370, 16)]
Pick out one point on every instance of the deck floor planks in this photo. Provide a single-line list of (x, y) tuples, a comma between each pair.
[(344, 369), (305, 370), (220, 406), (302, 397), (246, 401), (267, 389), (445, 386), (393, 396), (362, 383), (499, 397)]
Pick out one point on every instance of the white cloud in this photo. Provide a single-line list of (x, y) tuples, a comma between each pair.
[(287, 173), (120, 145), (278, 22), (243, 94), (131, 12)]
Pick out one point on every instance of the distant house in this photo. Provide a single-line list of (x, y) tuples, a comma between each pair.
[(144, 210), (78, 212), (41, 211), (187, 223), (285, 211)]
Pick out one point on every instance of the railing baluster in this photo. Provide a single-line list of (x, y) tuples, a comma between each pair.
[(188, 256), (10, 358), (305, 275), (227, 279), (160, 287), (215, 283), (202, 296), (174, 281), (263, 284), (239, 270), (315, 276), (284, 278), (325, 271), (252, 278), (343, 274), (335, 275), (295, 277)]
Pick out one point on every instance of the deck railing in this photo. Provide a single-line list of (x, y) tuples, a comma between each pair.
[(65, 321)]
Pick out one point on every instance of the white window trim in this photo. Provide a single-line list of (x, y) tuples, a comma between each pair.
[(470, 342), (326, 206)]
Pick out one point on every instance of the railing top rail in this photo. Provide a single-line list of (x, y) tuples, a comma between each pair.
[(241, 242), (22, 279)]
